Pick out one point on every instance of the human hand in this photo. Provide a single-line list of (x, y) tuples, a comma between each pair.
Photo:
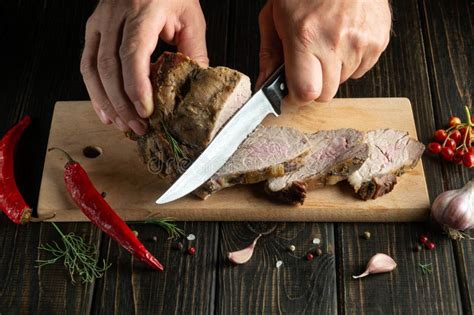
[(120, 38), (322, 42)]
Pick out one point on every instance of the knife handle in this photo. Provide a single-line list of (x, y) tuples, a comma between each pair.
[(275, 88)]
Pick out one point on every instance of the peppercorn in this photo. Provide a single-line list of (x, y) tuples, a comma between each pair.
[(418, 248), (191, 250), (366, 235), (423, 239), (430, 245), (309, 256), (135, 232), (291, 248), (318, 252), (179, 246), (155, 239)]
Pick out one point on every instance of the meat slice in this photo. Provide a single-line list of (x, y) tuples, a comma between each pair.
[(191, 105), (334, 155), (267, 152), (391, 153)]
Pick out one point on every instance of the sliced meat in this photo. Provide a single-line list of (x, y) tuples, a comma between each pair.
[(334, 155), (267, 152), (391, 153), (191, 105)]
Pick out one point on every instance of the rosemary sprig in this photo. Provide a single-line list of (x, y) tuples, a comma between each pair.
[(177, 151), (426, 268), (167, 224), (79, 257)]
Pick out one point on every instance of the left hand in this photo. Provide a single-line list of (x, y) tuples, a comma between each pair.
[(322, 42)]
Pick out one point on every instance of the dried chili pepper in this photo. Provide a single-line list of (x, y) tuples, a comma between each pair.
[(94, 206), (11, 200)]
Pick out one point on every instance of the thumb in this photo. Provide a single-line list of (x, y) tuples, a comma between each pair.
[(191, 40), (271, 55)]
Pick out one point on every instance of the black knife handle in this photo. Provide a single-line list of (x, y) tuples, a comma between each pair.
[(275, 88)]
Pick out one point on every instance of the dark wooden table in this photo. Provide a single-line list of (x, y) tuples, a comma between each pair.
[(429, 60)]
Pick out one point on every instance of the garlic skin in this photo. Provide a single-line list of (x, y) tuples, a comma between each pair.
[(242, 256), (379, 263), (455, 208)]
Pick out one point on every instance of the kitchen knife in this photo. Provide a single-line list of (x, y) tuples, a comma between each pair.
[(265, 101)]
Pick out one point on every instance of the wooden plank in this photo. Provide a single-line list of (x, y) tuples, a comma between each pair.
[(75, 127), (188, 284), (38, 68), (401, 71), (259, 287), (448, 30)]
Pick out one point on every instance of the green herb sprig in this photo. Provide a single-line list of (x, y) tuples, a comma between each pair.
[(426, 268), (177, 151), (79, 257), (174, 232)]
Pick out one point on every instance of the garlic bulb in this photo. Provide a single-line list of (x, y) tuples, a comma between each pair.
[(455, 208), (379, 263)]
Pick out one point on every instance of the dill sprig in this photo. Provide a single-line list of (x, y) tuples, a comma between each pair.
[(426, 268), (177, 151), (79, 257), (174, 232)]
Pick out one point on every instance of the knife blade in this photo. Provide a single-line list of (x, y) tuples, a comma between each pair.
[(265, 101)]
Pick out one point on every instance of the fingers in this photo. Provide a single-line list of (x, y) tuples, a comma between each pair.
[(191, 39), (140, 37), (271, 55)]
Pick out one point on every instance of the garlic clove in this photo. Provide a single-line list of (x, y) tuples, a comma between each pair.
[(379, 263), (242, 256)]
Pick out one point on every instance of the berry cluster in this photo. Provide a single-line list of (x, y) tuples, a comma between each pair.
[(455, 144), (424, 242)]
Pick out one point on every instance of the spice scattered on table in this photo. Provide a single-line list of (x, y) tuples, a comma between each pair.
[(318, 251), (379, 263), (242, 256), (191, 237), (279, 263), (135, 233), (418, 248), (316, 241), (79, 257), (366, 235), (155, 239), (430, 245), (423, 239), (426, 268), (91, 203), (11, 200), (103, 194), (309, 256), (292, 248), (179, 246), (191, 250)]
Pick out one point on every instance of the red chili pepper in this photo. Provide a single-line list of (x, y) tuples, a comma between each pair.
[(11, 200), (94, 206)]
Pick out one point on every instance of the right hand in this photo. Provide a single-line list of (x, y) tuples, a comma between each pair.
[(120, 38)]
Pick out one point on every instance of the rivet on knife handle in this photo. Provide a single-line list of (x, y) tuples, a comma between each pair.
[(275, 88)]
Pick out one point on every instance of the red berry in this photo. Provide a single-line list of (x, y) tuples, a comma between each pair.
[(470, 149), (450, 143), (423, 239), (458, 156), (430, 245), (434, 148), (447, 154), (191, 250), (456, 136), (453, 121), (309, 256), (468, 159), (440, 135)]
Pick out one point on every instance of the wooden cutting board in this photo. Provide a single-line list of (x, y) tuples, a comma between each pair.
[(132, 191)]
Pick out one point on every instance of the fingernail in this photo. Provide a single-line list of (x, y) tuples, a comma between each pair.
[(103, 117), (121, 125), (144, 109), (138, 127)]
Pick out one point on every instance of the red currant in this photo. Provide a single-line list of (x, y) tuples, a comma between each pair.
[(453, 121), (440, 135), (192, 250), (450, 143), (456, 136), (468, 159), (430, 245), (458, 156), (434, 148), (447, 154), (423, 239), (309, 256)]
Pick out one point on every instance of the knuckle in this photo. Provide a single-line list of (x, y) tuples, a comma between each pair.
[(107, 66), (122, 109), (128, 49), (305, 32), (87, 68)]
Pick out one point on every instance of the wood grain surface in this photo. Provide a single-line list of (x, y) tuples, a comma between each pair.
[(429, 60), (132, 190)]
